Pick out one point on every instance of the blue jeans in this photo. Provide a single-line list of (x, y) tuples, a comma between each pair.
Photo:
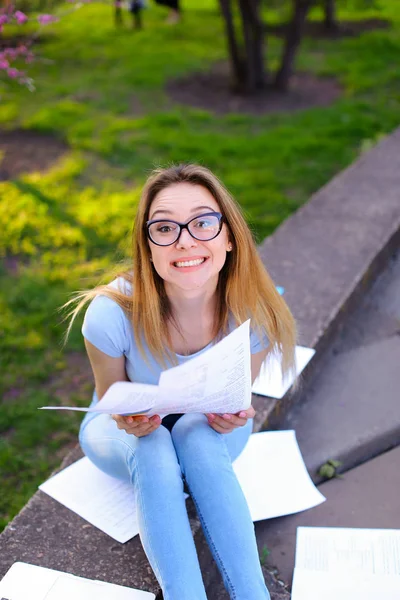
[(156, 466)]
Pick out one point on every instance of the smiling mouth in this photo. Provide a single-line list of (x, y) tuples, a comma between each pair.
[(189, 263)]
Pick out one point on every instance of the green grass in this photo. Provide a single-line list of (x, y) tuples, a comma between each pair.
[(69, 225)]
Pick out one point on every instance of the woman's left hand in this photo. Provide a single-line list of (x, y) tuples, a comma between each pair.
[(226, 423)]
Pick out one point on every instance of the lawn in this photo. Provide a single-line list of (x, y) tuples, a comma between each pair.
[(101, 91)]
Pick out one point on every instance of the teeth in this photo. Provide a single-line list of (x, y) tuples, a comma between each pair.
[(189, 263)]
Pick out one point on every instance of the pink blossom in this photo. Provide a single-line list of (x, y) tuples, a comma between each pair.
[(11, 53), (46, 19), (13, 73), (4, 64), (3, 20), (20, 17), (29, 57)]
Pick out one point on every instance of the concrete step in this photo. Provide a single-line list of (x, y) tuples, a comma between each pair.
[(351, 411), (367, 496)]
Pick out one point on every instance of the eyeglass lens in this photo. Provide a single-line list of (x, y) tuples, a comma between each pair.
[(201, 228)]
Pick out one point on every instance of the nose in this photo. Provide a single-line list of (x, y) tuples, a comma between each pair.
[(185, 240)]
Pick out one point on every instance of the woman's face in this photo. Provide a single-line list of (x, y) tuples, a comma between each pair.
[(182, 202)]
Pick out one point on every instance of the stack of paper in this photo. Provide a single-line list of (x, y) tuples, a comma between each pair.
[(347, 564), (109, 504), (29, 582)]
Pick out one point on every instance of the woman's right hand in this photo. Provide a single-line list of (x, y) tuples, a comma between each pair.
[(138, 425)]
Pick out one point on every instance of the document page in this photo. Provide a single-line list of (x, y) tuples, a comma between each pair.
[(351, 563), (123, 397), (219, 380), (275, 456), (104, 501), (269, 381), (68, 588), (30, 582)]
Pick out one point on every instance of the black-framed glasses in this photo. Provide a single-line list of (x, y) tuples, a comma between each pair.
[(204, 228)]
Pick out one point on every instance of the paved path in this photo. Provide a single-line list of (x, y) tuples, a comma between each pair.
[(351, 413)]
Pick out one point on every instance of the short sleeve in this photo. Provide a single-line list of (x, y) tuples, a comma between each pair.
[(258, 340), (105, 326)]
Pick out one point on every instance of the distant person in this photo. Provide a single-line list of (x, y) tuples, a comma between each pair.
[(175, 10), (135, 8), (195, 276)]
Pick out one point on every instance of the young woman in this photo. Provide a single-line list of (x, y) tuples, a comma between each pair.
[(195, 276)]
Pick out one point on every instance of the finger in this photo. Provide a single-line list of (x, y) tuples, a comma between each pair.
[(225, 424), (130, 419), (220, 429), (136, 419), (247, 414), (148, 428), (133, 426), (153, 423), (235, 420)]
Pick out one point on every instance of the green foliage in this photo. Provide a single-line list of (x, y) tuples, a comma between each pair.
[(264, 555), (329, 469), (103, 93)]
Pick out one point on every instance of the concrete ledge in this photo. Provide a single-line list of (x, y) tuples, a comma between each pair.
[(325, 256), (329, 252)]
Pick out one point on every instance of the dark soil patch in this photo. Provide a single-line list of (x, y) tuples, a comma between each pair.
[(27, 151), (212, 91), (317, 29)]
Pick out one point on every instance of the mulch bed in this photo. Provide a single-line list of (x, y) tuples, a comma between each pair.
[(212, 91), (27, 152)]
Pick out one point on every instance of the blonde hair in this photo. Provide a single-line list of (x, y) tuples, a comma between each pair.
[(244, 290)]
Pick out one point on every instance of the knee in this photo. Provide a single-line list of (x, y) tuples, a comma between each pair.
[(155, 457), (107, 454), (197, 445), (189, 431)]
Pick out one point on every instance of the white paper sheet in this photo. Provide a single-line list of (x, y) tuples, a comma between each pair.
[(67, 588), (219, 380), (270, 382), (29, 582), (316, 585), (346, 563), (103, 501), (269, 456), (274, 456)]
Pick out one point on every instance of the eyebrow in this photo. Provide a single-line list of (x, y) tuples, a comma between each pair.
[(169, 212)]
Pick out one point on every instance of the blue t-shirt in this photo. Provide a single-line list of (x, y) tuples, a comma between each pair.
[(107, 327)]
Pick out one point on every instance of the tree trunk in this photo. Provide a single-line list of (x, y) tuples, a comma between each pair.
[(253, 33), (247, 60), (330, 21), (292, 42), (237, 62)]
